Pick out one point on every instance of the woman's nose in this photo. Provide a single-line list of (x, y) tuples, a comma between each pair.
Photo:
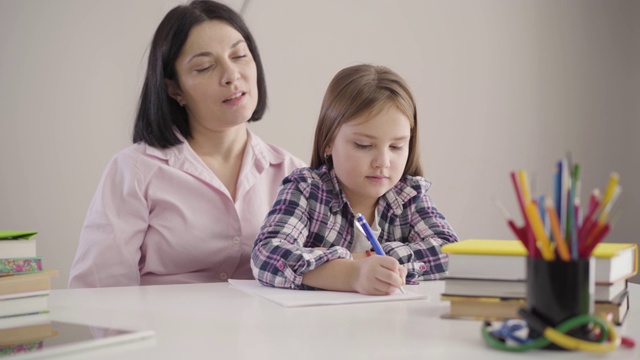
[(230, 75)]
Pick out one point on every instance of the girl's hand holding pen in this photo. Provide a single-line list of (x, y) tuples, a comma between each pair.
[(378, 275)]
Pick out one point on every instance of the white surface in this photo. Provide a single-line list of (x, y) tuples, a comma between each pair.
[(217, 321), (300, 298)]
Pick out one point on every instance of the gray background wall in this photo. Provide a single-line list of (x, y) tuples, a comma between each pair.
[(500, 85)]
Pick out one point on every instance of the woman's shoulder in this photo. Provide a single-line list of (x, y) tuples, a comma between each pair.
[(129, 153), (140, 157), (137, 152), (274, 153)]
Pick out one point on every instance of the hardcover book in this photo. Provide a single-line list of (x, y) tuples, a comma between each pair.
[(494, 308), (23, 305), (517, 289), (506, 260), (15, 284), (17, 244), (15, 266)]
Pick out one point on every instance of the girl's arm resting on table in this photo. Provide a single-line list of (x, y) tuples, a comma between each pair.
[(279, 258), (109, 249)]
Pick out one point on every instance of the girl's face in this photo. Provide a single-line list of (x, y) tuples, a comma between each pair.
[(216, 77), (369, 155)]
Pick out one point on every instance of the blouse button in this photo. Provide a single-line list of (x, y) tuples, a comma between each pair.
[(223, 276), (423, 267), (280, 266), (236, 240)]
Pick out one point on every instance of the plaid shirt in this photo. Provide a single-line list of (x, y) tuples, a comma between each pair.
[(311, 210)]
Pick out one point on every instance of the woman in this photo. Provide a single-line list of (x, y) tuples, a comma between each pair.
[(185, 202)]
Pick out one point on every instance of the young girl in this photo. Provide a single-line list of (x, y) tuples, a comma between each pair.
[(365, 160)]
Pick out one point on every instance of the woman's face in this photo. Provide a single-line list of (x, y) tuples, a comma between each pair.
[(216, 77)]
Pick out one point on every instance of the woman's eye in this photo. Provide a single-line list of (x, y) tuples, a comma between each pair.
[(396, 147), (239, 57), (362, 146), (201, 70)]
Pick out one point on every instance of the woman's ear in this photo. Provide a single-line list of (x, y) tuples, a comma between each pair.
[(174, 91)]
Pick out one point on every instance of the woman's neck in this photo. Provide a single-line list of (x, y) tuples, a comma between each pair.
[(222, 153), (225, 145)]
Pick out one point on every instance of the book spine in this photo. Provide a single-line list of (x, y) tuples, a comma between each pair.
[(15, 266), (21, 348)]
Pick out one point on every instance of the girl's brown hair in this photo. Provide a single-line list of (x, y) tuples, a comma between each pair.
[(360, 90)]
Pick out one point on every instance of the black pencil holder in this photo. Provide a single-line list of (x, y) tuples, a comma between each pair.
[(559, 290)]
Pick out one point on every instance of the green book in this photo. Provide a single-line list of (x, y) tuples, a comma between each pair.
[(14, 235), (17, 244)]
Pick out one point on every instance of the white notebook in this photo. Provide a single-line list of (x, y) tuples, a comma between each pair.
[(297, 298)]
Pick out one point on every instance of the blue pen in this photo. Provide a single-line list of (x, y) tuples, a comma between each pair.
[(369, 234), (364, 226)]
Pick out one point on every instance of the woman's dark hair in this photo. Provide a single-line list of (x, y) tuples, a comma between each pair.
[(158, 114)]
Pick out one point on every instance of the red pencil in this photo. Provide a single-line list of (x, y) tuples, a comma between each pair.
[(519, 232), (589, 221), (598, 236)]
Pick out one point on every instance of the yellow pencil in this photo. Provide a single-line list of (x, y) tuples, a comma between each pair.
[(524, 186), (607, 208), (608, 196), (538, 231), (561, 245)]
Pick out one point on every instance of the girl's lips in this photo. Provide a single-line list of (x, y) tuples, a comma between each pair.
[(377, 179)]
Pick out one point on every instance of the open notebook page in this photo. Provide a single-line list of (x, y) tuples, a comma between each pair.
[(297, 298)]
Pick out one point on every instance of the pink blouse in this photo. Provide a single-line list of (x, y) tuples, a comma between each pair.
[(160, 216)]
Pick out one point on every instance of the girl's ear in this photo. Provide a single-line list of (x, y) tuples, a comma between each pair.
[(327, 150), (174, 91)]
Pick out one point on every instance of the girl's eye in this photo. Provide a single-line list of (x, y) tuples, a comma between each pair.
[(362, 146), (396, 147)]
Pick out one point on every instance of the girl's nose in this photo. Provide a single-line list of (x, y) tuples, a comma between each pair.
[(381, 159)]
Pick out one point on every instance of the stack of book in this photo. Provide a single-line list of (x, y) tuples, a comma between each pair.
[(24, 289), (487, 278)]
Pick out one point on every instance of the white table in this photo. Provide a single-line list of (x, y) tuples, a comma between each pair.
[(207, 321)]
